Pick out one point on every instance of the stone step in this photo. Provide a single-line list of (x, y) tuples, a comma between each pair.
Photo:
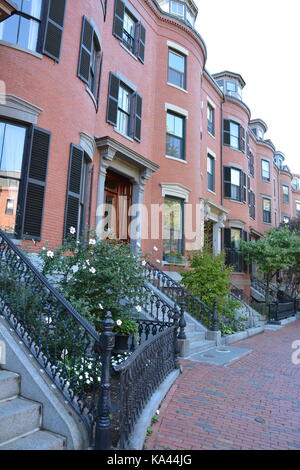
[(18, 417), (199, 346), (38, 440), (195, 336), (9, 385)]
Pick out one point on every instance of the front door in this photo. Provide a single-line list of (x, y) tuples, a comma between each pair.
[(118, 199)]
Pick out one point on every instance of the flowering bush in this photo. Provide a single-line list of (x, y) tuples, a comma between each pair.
[(97, 276), (125, 326)]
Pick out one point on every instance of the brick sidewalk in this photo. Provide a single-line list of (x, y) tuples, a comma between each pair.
[(254, 403)]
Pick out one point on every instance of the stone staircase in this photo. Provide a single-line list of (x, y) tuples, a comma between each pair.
[(21, 419), (196, 339)]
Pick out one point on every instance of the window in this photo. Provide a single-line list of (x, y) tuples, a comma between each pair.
[(175, 136), (233, 89), (177, 69), (267, 211), (129, 26), (265, 170), (22, 178), (124, 108), (285, 193), (9, 207), (173, 243), (296, 183), (210, 119), (235, 184), (298, 209), (232, 240), (234, 135), (31, 29), (129, 30), (211, 173), (179, 9), (90, 58)]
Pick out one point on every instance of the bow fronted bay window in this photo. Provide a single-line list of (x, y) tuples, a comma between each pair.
[(285, 194), (234, 135), (177, 69), (124, 108), (210, 173), (175, 136), (267, 211), (23, 170), (210, 119), (129, 30), (37, 25), (265, 170), (235, 184)]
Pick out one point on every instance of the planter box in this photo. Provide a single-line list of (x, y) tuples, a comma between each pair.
[(171, 259)]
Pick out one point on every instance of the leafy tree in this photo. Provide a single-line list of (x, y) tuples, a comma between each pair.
[(278, 250)]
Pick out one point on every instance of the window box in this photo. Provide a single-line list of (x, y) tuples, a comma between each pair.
[(174, 258)]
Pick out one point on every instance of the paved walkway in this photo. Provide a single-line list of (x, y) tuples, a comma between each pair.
[(253, 403)]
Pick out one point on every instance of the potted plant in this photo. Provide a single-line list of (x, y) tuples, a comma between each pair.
[(124, 329), (174, 257)]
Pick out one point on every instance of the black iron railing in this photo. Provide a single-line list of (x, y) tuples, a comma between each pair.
[(66, 347), (142, 374), (244, 306), (260, 286), (76, 357), (181, 297)]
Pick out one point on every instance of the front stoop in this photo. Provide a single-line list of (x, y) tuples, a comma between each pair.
[(21, 419)]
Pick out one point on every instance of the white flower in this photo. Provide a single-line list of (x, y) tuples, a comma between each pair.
[(119, 322), (75, 269), (155, 248), (88, 262), (50, 254), (138, 244), (138, 308), (92, 241), (157, 412), (64, 353), (48, 320), (144, 262), (44, 248), (101, 306), (92, 270), (72, 230), (158, 260)]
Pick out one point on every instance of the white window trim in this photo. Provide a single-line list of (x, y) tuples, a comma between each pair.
[(211, 103), (175, 190), (178, 87), (211, 153), (176, 159), (177, 47), (20, 48), (176, 109), (16, 108)]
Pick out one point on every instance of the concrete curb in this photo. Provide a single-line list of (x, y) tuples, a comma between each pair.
[(240, 335), (137, 439)]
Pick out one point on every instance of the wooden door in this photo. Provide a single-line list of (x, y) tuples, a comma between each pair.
[(118, 199)]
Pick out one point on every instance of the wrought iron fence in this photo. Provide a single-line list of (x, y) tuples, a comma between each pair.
[(76, 357), (142, 374), (181, 297)]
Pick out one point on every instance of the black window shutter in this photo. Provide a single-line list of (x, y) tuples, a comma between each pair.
[(141, 43), (119, 19), (249, 190), (113, 97), (137, 117), (36, 183), (85, 50), (242, 138), (73, 189), (54, 26), (226, 128), (227, 181), (244, 187)]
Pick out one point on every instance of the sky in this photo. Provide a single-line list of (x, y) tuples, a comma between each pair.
[(260, 39)]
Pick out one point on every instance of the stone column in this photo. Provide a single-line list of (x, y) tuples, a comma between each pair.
[(107, 154), (136, 210), (217, 238)]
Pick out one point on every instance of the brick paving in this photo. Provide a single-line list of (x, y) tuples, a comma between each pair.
[(253, 403)]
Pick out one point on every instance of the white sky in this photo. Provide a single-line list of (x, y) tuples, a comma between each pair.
[(260, 39)]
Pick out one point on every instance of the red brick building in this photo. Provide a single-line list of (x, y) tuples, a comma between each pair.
[(110, 121)]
